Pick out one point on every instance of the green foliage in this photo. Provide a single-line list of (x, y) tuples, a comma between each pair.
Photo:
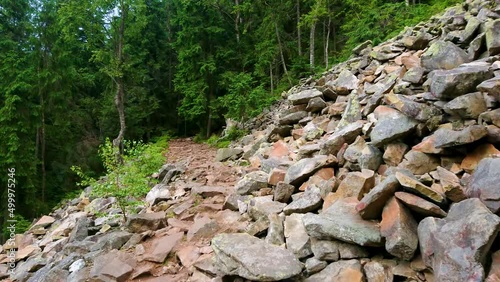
[(22, 225), (128, 181), (379, 20)]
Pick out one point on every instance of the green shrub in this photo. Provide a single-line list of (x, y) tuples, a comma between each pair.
[(127, 181), (22, 225)]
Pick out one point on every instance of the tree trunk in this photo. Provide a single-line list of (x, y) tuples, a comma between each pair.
[(271, 76), (311, 45), (120, 91), (42, 145), (407, 2), (327, 41), (299, 31), (281, 54), (237, 21)]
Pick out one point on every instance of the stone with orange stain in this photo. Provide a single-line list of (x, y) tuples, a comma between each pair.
[(494, 274), (451, 185), (279, 150), (399, 229), (470, 162), (419, 205), (340, 271), (428, 146), (357, 184), (276, 176), (394, 153)]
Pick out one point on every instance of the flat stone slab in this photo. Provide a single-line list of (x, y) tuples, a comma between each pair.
[(254, 259), (341, 221)]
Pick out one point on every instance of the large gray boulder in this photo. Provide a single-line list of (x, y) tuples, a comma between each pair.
[(341, 221), (485, 183), (347, 135), (456, 247), (443, 55), (224, 154), (301, 170), (391, 125), (449, 84), (138, 223), (254, 259), (251, 182), (303, 97)]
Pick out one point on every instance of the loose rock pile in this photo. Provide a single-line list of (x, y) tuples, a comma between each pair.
[(385, 168)]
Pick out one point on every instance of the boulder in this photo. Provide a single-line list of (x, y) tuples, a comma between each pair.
[(341, 271), (391, 125), (443, 55), (341, 221), (456, 247), (301, 170), (419, 205), (399, 229), (292, 118), (275, 233), (449, 84), (362, 155), (159, 192), (451, 185), (419, 163), (484, 183), (304, 96), (316, 105), (468, 106), (372, 204), (378, 272), (413, 185), (309, 201), (347, 135), (116, 265), (356, 184), (161, 247), (492, 34), (314, 265), (225, 154), (297, 239), (138, 223), (394, 153), (418, 111), (283, 192), (251, 182), (445, 137), (253, 259), (491, 86), (346, 82)]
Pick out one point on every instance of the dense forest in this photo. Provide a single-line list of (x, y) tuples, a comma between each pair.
[(75, 72)]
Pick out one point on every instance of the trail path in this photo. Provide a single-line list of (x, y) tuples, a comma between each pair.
[(199, 216)]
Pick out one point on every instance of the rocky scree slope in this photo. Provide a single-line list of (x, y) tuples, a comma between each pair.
[(384, 169)]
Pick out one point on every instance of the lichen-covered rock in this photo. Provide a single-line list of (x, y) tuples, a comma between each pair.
[(449, 84), (443, 55), (252, 258), (493, 37), (468, 106), (456, 246)]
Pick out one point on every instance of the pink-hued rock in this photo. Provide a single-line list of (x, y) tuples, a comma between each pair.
[(399, 229)]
